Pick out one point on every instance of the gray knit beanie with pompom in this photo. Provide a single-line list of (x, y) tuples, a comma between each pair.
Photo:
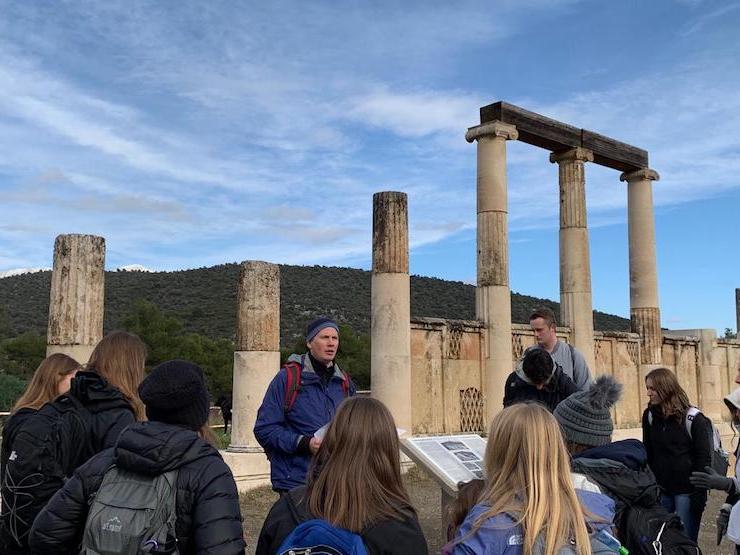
[(585, 416)]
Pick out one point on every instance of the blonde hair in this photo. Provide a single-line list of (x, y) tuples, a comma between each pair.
[(673, 403), (119, 358), (44, 385), (528, 477), (355, 477)]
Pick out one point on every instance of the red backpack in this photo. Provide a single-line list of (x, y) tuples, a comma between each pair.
[(293, 371)]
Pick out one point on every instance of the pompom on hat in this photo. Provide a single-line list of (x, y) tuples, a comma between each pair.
[(175, 392), (585, 417)]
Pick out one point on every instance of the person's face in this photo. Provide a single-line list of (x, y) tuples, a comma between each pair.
[(324, 345), (653, 397), (64, 383), (544, 334)]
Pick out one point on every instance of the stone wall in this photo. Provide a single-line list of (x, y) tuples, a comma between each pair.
[(447, 373)]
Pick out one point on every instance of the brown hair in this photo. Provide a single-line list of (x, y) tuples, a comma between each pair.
[(119, 358), (673, 399), (206, 434), (355, 477), (467, 497), (44, 385), (546, 314)]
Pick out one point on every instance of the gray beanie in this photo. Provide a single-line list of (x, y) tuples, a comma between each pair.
[(585, 418)]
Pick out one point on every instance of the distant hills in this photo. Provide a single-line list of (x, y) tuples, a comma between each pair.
[(204, 299)]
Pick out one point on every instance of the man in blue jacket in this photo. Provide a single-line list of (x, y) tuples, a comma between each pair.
[(302, 397)]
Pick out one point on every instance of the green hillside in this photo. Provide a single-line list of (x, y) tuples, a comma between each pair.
[(204, 299)]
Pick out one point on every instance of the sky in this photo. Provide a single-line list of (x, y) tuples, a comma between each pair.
[(191, 134)]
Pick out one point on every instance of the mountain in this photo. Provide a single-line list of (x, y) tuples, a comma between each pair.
[(205, 299)]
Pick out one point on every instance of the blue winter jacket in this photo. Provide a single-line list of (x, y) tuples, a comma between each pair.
[(500, 535), (280, 432)]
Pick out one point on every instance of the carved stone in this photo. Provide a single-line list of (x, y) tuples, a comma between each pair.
[(390, 233)]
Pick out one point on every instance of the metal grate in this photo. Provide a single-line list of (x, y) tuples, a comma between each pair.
[(633, 349), (517, 346), (471, 410), (454, 341)]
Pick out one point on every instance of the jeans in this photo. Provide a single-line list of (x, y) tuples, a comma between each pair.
[(689, 507)]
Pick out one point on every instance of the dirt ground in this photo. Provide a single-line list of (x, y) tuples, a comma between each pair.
[(426, 497)]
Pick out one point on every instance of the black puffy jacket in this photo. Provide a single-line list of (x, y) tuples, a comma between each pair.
[(207, 504), (387, 537)]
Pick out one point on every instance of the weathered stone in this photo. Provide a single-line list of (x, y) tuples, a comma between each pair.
[(390, 233)]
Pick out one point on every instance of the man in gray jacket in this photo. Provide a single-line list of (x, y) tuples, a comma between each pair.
[(567, 357)]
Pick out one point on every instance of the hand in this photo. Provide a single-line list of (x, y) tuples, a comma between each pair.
[(710, 480), (314, 444), (723, 519)]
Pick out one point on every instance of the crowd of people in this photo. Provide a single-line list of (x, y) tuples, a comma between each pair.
[(104, 458)]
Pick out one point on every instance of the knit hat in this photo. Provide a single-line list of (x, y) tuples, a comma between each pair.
[(319, 324), (175, 392), (584, 417)]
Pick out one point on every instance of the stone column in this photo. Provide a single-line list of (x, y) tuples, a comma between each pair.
[(575, 262), (390, 357), (492, 294), (737, 312), (257, 355), (644, 307), (77, 296)]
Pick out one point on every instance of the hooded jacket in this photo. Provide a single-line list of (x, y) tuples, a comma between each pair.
[(501, 535), (280, 432), (387, 537), (519, 389), (207, 504)]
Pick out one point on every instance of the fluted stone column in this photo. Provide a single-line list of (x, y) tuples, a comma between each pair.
[(644, 307), (77, 296), (493, 294), (257, 355), (390, 358), (575, 262)]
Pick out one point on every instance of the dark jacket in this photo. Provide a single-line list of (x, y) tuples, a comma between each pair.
[(519, 389), (621, 471), (207, 504), (672, 454), (281, 433), (50, 445), (11, 427), (386, 537)]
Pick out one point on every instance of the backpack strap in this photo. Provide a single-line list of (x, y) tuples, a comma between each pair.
[(346, 383), (572, 357), (293, 372), (689, 420)]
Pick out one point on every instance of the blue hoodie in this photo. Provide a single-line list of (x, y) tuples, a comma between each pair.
[(500, 535)]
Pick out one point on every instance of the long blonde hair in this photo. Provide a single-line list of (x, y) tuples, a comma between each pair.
[(674, 403), (44, 385), (119, 358), (355, 477), (528, 477)]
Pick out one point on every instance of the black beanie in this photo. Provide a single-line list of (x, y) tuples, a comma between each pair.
[(175, 392)]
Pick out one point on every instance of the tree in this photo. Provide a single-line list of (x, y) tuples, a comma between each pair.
[(21, 355), (729, 334), (11, 388)]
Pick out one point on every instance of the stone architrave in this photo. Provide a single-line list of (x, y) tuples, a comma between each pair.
[(257, 355), (390, 358), (493, 294), (76, 300), (644, 307), (576, 309)]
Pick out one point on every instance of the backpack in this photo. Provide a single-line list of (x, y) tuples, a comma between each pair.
[(46, 450), (318, 537), (293, 372), (654, 531), (132, 514), (720, 457)]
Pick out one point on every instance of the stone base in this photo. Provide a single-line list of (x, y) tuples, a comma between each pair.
[(81, 353), (250, 470)]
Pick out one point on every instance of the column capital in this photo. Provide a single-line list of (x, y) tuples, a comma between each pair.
[(578, 154), (493, 128), (640, 175)]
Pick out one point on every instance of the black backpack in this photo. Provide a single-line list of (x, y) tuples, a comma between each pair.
[(653, 531), (46, 450)]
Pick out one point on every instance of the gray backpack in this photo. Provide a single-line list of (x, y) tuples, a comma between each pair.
[(132, 514)]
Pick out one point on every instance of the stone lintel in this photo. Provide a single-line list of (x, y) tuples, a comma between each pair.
[(640, 175), (493, 128), (578, 154)]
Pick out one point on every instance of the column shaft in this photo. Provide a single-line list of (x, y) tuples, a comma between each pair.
[(76, 298), (493, 294), (257, 355), (576, 309), (644, 307), (390, 358)]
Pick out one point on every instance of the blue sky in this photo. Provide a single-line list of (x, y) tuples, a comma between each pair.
[(195, 133)]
